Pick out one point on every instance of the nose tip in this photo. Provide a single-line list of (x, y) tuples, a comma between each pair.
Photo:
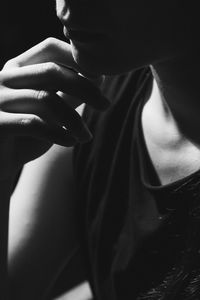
[(62, 10)]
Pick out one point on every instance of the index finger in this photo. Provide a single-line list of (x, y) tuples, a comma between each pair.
[(49, 50)]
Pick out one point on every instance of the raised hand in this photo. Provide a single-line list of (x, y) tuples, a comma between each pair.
[(39, 90)]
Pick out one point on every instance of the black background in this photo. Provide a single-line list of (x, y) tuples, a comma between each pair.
[(24, 24)]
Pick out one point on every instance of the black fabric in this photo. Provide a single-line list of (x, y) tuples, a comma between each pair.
[(141, 239)]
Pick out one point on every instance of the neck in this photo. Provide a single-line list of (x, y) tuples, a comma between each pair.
[(179, 86)]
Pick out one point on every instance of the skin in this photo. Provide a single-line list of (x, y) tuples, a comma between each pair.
[(40, 90), (126, 37), (142, 33), (170, 47), (133, 35), (32, 108)]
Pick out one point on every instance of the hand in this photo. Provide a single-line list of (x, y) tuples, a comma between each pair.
[(34, 109)]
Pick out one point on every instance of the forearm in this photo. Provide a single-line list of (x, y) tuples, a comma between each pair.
[(43, 224), (5, 192)]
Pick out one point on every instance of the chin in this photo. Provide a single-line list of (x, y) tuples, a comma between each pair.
[(88, 62), (96, 61)]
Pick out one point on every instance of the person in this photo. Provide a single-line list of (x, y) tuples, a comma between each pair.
[(127, 198)]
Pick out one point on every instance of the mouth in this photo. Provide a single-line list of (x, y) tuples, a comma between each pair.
[(82, 36)]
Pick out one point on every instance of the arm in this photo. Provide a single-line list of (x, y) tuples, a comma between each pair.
[(43, 229), (33, 117)]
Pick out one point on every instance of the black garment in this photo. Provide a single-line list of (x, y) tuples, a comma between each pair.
[(142, 239)]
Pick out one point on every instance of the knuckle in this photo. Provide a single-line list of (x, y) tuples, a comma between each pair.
[(50, 68), (49, 43), (42, 95), (11, 63)]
